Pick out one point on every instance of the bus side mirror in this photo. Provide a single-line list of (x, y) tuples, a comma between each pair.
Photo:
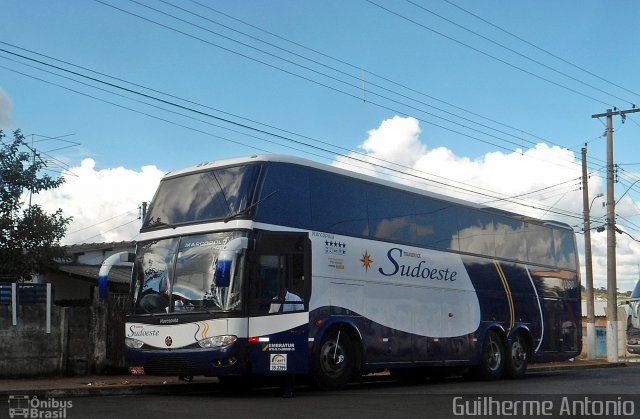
[(222, 277), (225, 261)]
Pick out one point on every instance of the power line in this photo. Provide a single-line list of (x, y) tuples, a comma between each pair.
[(322, 74), (392, 170), (397, 111), (369, 83), (517, 53), (205, 114), (538, 191), (486, 54), (628, 223), (542, 49), (361, 69), (104, 232), (101, 222)]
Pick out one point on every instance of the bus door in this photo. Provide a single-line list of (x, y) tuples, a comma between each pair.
[(280, 287)]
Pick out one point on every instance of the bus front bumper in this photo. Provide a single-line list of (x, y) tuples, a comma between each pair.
[(187, 362)]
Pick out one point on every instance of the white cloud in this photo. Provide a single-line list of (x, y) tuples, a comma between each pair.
[(103, 203), (553, 171), (6, 106), (396, 140)]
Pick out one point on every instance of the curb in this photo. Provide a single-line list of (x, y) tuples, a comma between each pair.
[(577, 366), (117, 390), (200, 387)]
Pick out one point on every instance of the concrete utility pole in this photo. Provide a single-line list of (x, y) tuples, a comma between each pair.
[(612, 288), (591, 320)]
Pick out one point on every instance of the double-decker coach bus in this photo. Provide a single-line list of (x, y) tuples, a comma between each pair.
[(633, 321), (279, 265)]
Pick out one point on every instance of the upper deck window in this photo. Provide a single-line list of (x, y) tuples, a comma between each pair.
[(203, 196)]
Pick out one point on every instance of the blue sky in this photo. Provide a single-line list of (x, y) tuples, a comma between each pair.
[(434, 70), (591, 34)]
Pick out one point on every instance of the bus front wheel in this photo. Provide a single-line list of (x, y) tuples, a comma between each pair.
[(334, 361), (493, 360)]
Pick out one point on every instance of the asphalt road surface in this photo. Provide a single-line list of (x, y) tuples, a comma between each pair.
[(600, 392)]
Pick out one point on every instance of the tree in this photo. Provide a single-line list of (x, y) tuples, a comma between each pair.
[(29, 237)]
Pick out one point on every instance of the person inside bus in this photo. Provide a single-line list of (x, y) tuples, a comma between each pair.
[(153, 298), (277, 285), (288, 298)]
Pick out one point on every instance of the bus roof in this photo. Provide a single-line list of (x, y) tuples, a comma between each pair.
[(325, 167)]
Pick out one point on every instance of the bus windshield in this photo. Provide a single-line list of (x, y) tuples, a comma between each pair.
[(202, 196), (179, 275)]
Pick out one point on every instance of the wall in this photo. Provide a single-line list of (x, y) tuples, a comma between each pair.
[(601, 324), (27, 350), (77, 344)]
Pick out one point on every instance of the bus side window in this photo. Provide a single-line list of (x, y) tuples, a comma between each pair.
[(295, 286), (280, 286), (269, 280)]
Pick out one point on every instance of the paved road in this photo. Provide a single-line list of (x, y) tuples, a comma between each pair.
[(385, 399)]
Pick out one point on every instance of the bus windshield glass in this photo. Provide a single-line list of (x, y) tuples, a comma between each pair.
[(179, 275), (202, 196)]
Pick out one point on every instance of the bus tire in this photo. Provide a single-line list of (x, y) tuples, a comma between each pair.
[(334, 361), (517, 357), (492, 359)]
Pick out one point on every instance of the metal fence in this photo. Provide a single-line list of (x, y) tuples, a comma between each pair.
[(26, 293), (15, 293)]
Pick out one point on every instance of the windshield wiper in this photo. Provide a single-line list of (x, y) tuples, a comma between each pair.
[(249, 208), (157, 223)]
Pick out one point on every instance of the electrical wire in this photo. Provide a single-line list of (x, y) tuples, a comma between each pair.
[(359, 68), (335, 89), (518, 53), (541, 49), (104, 232), (101, 222), (487, 54), (369, 83), (392, 170), (326, 66), (164, 109), (397, 111)]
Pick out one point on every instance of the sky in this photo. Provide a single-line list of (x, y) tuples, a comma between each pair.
[(486, 101)]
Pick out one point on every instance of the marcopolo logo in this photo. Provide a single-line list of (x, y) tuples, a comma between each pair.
[(21, 406)]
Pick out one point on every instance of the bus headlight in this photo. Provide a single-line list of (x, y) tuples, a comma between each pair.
[(217, 341), (133, 343)]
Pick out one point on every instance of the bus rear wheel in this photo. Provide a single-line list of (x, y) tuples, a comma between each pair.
[(517, 354), (334, 361), (492, 360)]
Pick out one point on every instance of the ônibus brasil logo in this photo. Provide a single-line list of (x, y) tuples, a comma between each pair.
[(26, 407)]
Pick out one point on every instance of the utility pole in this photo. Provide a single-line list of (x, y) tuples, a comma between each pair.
[(591, 320), (612, 288), (33, 162), (144, 211)]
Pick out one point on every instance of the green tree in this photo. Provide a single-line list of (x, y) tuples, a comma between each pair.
[(29, 237)]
